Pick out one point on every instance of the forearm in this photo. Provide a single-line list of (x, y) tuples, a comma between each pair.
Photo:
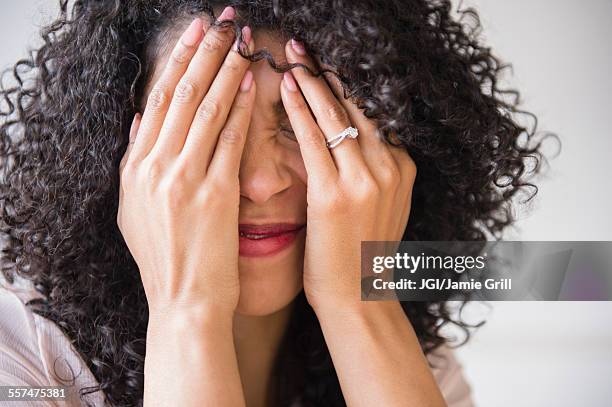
[(377, 356), (191, 361)]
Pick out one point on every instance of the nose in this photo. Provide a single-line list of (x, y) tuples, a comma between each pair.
[(262, 174)]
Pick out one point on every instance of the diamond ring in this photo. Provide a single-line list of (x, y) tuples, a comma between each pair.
[(349, 132)]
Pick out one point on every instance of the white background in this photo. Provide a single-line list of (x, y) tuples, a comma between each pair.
[(558, 353), (528, 354)]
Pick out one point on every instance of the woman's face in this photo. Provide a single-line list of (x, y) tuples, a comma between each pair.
[(272, 187)]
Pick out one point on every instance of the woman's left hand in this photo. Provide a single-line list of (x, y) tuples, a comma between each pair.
[(359, 190)]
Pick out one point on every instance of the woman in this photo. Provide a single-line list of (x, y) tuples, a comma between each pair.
[(190, 179)]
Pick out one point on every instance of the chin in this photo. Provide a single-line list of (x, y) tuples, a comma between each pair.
[(261, 297), (269, 285)]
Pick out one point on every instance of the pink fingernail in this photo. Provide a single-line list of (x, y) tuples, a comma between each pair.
[(246, 37), (246, 34), (228, 14), (247, 81), (298, 47), (193, 33), (289, 82)]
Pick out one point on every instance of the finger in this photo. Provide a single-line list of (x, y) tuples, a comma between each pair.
[(355, 114), (317, 158), (225, 162), (202, 136), (331, 116), (388, 164), (192, 88), (382, 158), (375, 150), (158, 100)]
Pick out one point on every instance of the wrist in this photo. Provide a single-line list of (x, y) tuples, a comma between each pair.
[(189, 319), (360, 311)]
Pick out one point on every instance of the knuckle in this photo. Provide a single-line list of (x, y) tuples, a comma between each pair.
[(230, 135), (174, 190), (242, 101), (214, 41), (225, 187), (231, 66), (206, 199), (181, 55), (181, 172), (368, 196), (154, 170), (158, 98), (218, 192), (186, 90), (295, 103), (313, 138), (335, 201), (389, 175), (208, 110), (174, 195), (336, 113), (365, 189)]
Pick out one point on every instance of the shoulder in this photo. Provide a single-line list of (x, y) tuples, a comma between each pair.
[(34, 351), (20, 349), (449, 375)]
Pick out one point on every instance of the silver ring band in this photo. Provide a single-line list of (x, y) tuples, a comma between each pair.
[(350, 132)]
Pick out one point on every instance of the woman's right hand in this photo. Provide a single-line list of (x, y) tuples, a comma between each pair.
[(179, 197)]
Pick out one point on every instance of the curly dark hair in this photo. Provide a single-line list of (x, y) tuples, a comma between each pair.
[(420, 72)]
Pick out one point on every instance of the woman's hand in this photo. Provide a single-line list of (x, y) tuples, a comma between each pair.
[(359, 190), (178, 209), (178, 213)]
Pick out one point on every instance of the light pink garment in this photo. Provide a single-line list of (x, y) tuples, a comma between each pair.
[(30, 347)]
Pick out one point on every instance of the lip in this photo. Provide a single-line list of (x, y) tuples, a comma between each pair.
[(266, 239)]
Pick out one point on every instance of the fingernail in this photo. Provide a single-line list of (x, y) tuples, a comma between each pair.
[(246, 34), (289, 82), (298, 47), (247, 81), (193, 33), (228, 14), (246, 38)]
